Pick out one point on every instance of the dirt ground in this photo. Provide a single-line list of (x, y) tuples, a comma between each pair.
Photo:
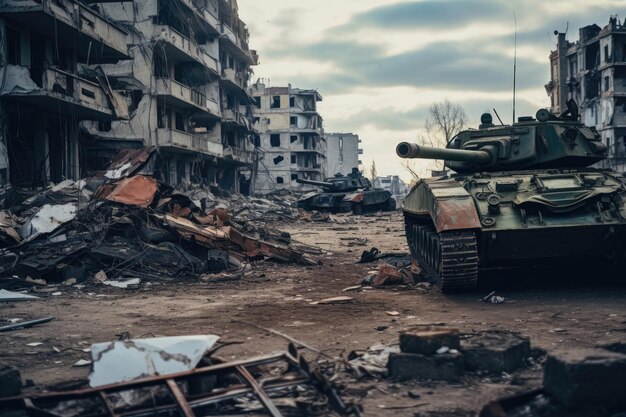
[(554, 315)]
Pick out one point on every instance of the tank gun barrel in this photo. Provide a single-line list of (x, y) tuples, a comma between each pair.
[(317, 183), (413, 150)]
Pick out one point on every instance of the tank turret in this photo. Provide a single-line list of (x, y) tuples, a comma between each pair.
[(351, 182), (323, 184), (543, 142)]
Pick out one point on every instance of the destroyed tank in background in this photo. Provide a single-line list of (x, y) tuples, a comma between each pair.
[(342, 194), (523, 195)]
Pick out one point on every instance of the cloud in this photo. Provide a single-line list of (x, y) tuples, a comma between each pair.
[(434, 14), (380, 63), (445, 65)]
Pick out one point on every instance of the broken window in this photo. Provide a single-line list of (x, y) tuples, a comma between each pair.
[(606, 83), (619, 74), (135, 98), (278, 159), (294, 159), (280, 180), (14, 49), (230, 101), (592, 56), (294, 177), (257, 102), (275, 140), (293, 120), (293, 138), (292, 102), (275, 102), (180, 124)]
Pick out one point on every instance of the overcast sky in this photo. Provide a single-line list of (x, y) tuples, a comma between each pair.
[(379, 64)]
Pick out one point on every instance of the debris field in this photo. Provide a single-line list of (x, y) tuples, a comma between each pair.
[(123, 296)]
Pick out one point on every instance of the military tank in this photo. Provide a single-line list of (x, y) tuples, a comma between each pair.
[(522, 195), (345, 193)]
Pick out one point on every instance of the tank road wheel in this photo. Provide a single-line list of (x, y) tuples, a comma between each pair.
[(450, 257), (357, 208), (390, 205)]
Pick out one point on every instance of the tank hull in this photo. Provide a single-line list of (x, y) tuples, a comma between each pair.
[(357, 202), (516, 219)]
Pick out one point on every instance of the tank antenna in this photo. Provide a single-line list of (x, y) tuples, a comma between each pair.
[(498, 116), (514, 63)]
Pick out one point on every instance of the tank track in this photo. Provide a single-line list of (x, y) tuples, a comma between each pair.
[(450, 257)]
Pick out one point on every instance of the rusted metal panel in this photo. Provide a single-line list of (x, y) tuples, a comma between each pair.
[(135, 191), (455, 214), (447, 203), (127, 162)]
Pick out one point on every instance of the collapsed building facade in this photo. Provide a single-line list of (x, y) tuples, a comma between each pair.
[(292, 143), (342, 153), (103, 76), (592, 71), (50, 80)]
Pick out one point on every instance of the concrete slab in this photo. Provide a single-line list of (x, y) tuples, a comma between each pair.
[(586, 376), (495, 351)]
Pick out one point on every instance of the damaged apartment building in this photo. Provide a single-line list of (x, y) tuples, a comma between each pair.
[(342, 153), (292, 144), (592, 71), (51, 79), (168, 73)]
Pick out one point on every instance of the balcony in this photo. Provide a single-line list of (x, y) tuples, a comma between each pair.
[(299, 148), (180, 95), (313, 168), (182, 49), (207, 15), (188, 142), (233, 79), (236, 117), (239, 155), (66, 93), (311, 130), (236, 45), (71, 23)]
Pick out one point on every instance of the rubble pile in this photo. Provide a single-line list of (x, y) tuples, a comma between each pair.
[(120, 224), (181, 376)]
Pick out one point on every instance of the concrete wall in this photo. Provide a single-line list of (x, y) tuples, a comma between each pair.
[(342, 153)]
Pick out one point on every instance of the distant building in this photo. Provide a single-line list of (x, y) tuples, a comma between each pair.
[(394, 185), (292, 143), (592, 71), (342, 153)]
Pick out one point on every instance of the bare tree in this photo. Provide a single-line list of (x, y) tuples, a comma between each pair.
[(373, 172), (445, 119)]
